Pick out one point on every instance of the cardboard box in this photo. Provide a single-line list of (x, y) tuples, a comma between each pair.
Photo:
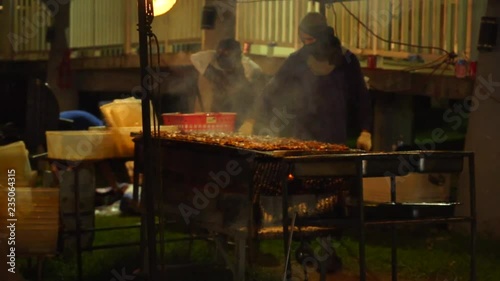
[(37, 213), (413, 188)]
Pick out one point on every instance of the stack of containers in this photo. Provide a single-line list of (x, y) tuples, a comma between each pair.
[(37, 214), (15, 156), (124, 116), (36, 209)]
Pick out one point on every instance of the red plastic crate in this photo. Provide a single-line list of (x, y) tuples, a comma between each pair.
[(214, 122), (174, 119)]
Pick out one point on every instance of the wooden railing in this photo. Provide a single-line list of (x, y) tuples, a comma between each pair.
[(369, 26), (96, 23), (364, 26), (102, 27), (28, 26)]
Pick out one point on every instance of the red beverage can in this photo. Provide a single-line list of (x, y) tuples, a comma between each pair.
[(372, 62), (472, 68), (461, 68)]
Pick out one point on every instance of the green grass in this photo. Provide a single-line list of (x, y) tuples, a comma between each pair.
[(97, 264), (424, 254)]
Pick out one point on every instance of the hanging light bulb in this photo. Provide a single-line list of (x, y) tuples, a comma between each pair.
[(161, 7)]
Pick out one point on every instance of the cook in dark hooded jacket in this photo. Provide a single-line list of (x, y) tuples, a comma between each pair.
[(311, 94)]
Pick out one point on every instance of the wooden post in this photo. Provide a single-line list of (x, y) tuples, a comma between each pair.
[(67, 98), (322, 7), (297, 14), (476, 9), (6, 19), (483, 138), (127, 44)]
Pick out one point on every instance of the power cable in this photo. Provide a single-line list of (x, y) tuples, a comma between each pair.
[(450, 54)]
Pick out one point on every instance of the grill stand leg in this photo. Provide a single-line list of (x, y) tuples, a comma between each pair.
[(78, 234), (322, 270), (144, 241), (286, 233), (241, 258), (137, 170), (328, 261), (473, 223), (221, 248), (394, 251), (40, 262), (252, 239), (238, 268), (219, 242), (362, 260), (253, 243)]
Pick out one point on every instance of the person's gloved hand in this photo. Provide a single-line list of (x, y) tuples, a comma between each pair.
[(364, 141), (247, 127)]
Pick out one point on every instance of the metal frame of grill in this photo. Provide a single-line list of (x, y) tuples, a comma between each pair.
[(278, 165), (383, 165)]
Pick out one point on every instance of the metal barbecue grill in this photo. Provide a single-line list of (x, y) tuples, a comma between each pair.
[(254, 194)]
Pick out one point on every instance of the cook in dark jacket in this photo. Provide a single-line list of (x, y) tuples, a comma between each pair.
[(312, 92)]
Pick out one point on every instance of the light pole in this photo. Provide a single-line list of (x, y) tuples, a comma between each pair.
[(146, 15)]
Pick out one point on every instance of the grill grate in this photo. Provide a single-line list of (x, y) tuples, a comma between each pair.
[(268, 181)]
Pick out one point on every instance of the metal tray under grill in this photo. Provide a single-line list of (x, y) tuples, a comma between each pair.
[(402, 163), (380, 164), (396, 211)]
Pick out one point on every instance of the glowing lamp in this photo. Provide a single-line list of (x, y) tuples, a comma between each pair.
[(161, 7)]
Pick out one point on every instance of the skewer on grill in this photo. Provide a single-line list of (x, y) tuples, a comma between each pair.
[(262, 143)]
